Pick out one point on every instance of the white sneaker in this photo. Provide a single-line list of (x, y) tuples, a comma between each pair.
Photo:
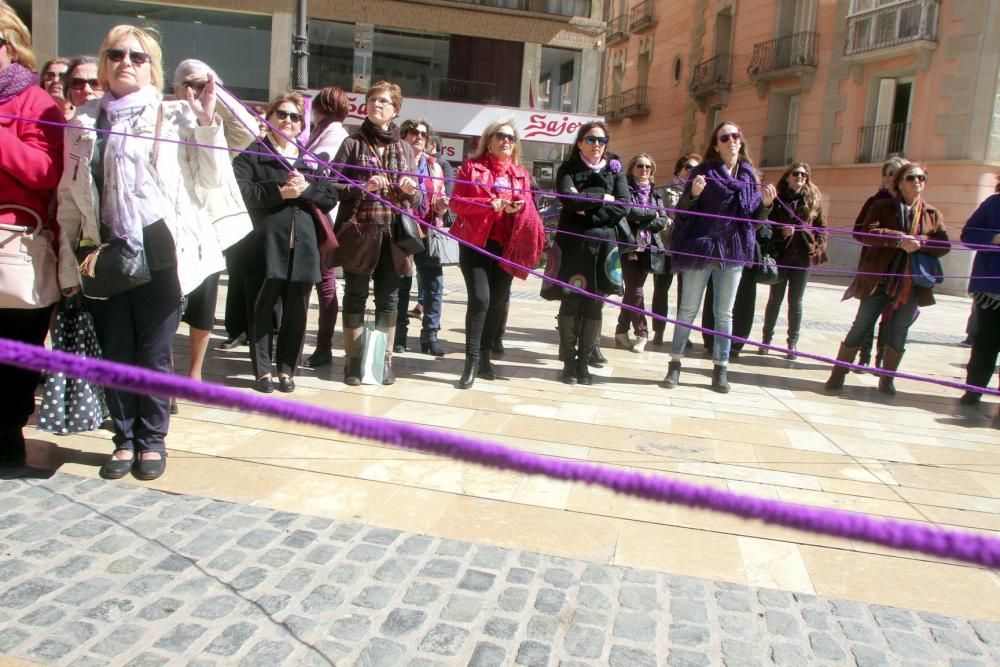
[(640, 344)]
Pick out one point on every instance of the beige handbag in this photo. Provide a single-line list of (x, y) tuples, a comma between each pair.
[(28, 275)]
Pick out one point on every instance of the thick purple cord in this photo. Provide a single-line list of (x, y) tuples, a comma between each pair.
[(940, 542)]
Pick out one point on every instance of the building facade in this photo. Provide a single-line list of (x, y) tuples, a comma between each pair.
[(839, 84), (505, 55)]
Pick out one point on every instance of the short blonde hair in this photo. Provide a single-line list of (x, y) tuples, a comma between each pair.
[(16, 34), (491, 129), (148, 38)]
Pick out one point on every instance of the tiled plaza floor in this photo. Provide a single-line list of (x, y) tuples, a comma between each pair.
[(919, 457)]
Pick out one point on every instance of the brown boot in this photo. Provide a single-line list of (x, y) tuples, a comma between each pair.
[(354, 326), (838, 373), (387, 322), (890, 362)]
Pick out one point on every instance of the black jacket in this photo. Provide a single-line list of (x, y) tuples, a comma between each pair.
[(260, 177), (576, 179)]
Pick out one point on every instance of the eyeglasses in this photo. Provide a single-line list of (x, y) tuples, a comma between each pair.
[(137, 58), (196, 86), (689, 167), (735, 136), (643, 166), (916, 177), (419, 133), (76, 83), (288, 115), (594, 139), (799, 174), (503, 136), (380, 102)]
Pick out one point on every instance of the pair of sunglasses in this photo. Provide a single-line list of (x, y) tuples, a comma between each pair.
[(735, 136), (504, 136), (77, 83), (137, 58), (288, 115), (592, 139), (916, 177), (419, 133), (643, 166), (799, 174), (52, 76)]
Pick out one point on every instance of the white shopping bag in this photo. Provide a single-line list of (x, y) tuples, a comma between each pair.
[(373, 344)]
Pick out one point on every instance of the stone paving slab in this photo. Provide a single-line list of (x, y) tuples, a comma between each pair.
[(99, 573)]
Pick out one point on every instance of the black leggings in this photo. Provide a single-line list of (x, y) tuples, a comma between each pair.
[(578, 305), (488, 288), (386, 282)]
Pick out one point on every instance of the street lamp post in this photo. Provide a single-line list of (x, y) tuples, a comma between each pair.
[(300, 48)]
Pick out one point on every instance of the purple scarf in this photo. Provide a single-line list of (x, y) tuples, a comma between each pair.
[(15, 78)]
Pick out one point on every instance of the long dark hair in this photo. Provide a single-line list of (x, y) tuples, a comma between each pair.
[(582, 132), (712, 152), (811, 198)]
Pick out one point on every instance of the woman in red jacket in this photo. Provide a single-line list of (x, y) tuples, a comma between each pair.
[(492, 199), (30, 165)]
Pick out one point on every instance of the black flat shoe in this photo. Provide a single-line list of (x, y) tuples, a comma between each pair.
[(398, 349), (432, 348), (286, 385), (233, 343), (150, 469), (117, 468), (321, 357), (264, 385)]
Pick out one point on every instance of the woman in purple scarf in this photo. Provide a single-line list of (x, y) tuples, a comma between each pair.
[(717, 245)]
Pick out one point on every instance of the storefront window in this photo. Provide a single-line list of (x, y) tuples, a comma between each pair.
[(557, 79), (416, 62), (187, 33), (331, 54)]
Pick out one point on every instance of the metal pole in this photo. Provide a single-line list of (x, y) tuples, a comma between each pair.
[(300, 48)]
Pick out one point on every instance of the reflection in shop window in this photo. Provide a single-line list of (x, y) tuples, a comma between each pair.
[(558, 77)]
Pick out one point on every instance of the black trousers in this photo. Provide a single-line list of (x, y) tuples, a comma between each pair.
[(488, 289), (294, 298), (137, 327), (386, 286), (795, 280), (985, 347), (27, 325), (743, 310), (661, 294)]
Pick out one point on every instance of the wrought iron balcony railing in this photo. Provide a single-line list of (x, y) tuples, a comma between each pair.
[(617, 30), (642, 16), (777, 150), (610, 108), (877, 143), (798, 50), (711, 75), (892, 25), (634, 101)]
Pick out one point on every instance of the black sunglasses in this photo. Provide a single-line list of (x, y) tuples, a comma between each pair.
[(916, 177), (137, 58), (288, 115), (735, 136), (503, 136), (76, 83), (643, 166), (593, 139), (419, 133), (799, 174), (52, 75)]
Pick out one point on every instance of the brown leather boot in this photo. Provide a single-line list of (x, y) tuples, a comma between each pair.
[(838, 373), (890, 362), (354, 326)]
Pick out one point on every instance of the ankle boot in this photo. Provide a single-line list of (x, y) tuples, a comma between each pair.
[(792, 345), (469, 373), (353, 325), (386, 322), (589, 332), (763, 350), (673, 374), (719, 382), (568, 337), (485, 367), (890, 362), (839, 373), (596, 358), (657, 338)]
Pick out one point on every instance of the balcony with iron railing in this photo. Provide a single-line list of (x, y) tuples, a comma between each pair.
[(890, 30), (777, 150), (642, 16), (783, 56), (617, 30), (711, 76), (610, 108), (634, 102), (877, 143)]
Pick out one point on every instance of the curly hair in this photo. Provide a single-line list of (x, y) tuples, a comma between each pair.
[(812, 200)]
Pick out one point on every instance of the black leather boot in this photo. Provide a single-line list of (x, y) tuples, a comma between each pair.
[(719, 382), (469, 374), (673, 374), (568, 336), (590, 331)]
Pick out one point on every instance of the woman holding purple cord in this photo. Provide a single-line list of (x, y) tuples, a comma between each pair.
[(718, 245)]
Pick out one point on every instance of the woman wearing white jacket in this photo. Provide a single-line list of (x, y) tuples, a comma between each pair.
[(134, 179)]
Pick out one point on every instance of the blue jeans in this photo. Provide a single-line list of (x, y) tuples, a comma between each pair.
[(430, 294), (725, 280), (870, 309)]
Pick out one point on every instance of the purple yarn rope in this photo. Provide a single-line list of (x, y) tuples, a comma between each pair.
[(939, 542)]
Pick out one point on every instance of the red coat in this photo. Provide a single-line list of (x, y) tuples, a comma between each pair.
[(31, 156)]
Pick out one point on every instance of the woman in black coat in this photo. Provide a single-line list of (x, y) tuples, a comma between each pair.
[(597, 199), (285, 250)]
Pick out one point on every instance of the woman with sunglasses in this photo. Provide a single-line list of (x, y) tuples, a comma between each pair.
[(30, 164), (53, 81), (377, 158), (893, 230), (496, 213), (798, 241), (594, 197), (661, 281), (726, 186), (641, 249), (149, 176), (82, 83), (279, 187)]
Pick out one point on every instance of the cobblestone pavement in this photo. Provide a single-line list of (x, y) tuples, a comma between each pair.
[(99, 573)]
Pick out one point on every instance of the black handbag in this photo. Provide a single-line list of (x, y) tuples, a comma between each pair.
[(765, 267), (112, 268), (440, 250), (406, 234)]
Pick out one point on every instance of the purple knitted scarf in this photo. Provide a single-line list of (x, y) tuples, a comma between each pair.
[(15, 78)]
